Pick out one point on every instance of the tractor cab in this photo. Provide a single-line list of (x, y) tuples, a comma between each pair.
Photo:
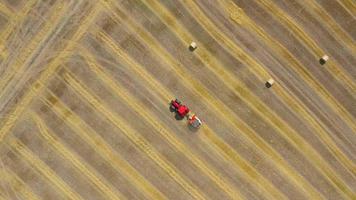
[(177, 106)]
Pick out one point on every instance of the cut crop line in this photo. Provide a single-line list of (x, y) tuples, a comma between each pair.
[(239, 88), (101, 146), (330, 24), (349, 164), (17, 184), (163, 131), (13, 23), (86, 170), (3, 52), (273, 119), (4, 9), (349, 6), (333, 68), (255, 66), (237, 160), (218, 108), (299, 108), (20, 65), (133, 135), (47, 73), (24, 153)]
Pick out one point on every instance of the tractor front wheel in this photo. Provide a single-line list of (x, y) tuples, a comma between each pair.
[(178, 101)]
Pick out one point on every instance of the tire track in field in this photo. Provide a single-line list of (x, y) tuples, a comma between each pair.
[(334, 68), (329, 23), (252, 137), (298, 107), (24, 153), (88, 135), (18, 17), (106, 189), (17, 184), (47, 73), (134, 136), (259, 107), (163, 131), (34, 46)]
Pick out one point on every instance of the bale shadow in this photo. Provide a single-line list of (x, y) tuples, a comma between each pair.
[(191, 48), (322, 61), (268, 85)]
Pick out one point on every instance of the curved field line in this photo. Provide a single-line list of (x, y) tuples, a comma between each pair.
[(262, 109), (219, 108), (101, 147), (329, 23), (167, 134), (24, 153), (20, 66), (86, 170), (134, 136), (46, 74), (299, 108), (17, 184), (333, 68), (16, 19)]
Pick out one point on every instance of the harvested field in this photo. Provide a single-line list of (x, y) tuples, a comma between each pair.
[(85, 88)]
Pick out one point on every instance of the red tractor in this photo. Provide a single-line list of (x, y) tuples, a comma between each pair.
[(177, 106)]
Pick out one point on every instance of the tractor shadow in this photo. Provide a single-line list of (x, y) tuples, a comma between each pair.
[(178, 117)]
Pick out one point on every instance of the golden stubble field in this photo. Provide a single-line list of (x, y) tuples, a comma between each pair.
[(85, 88)]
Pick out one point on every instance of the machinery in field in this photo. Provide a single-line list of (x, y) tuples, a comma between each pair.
[(323, 59), (182, 111), (194, 121)]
